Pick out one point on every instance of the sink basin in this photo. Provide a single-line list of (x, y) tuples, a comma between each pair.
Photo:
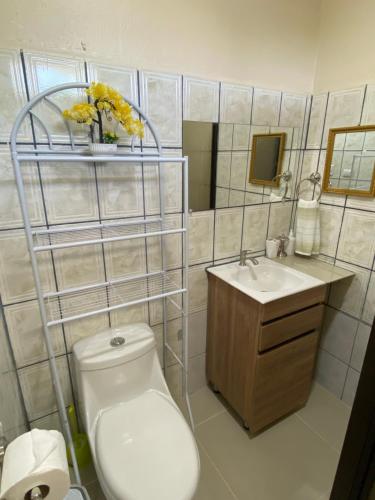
[(266, 281)]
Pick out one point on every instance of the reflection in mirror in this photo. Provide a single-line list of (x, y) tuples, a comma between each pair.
[(350, 162), (266, 158), (199, 143)]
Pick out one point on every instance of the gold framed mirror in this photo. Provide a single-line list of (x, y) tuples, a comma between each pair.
[(350, 161), (266, 158)]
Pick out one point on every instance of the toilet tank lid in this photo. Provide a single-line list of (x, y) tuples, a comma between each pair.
[(114, 346)]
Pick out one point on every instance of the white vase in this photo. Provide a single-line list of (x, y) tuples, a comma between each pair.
[(100, 149)]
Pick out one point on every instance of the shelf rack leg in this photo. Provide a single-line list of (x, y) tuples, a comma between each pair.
[(51, 356)]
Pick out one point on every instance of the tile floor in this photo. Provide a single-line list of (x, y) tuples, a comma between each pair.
[(295, 459)]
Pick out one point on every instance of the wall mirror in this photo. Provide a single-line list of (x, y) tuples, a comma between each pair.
[(199, 143), (266, 158), (350, 161)]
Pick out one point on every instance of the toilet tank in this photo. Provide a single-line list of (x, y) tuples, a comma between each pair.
[(114, 366)]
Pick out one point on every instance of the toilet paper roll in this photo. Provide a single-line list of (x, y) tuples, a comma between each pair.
[(35, 459)]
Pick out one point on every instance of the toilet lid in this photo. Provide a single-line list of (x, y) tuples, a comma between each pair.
[(146, 450)]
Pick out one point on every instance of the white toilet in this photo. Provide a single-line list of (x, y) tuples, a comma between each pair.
[(143, 449)]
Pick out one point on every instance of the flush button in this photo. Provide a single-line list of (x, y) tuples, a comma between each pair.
[(117, 341)]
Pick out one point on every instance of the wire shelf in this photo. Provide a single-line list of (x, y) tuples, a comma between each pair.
[(78, 303), (52, 239)]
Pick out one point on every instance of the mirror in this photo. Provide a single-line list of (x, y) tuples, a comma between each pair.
[(199, 143), (266, 158), (350, 161)]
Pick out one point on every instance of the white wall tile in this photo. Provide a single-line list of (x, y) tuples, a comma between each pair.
[(16, 279), (293, 107), (222, 197), (316, 124), (161, 101), (348, 295), (127, 258), (330, 224), (238, 170), (201, 100), (369, 308), (360, 346), (338, 334), (173, 248), (82, 328), (357, 238), (350, 388), (228, 229), (255, 227), (331, 372), (266, 107), (368, 114), (279, 222), (241, 134), (225, 139), (235, 103), (26, 334), (13, 95), (223, 169), (44, 71), (201, 236), (197, 333), (198, 288), (236, 198)]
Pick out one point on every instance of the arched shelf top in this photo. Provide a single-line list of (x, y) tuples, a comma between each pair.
[(29, 110)]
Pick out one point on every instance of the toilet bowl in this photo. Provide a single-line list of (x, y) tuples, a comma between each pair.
[(142, 447)]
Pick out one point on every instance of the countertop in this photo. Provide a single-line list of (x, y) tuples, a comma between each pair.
[(328, 273)]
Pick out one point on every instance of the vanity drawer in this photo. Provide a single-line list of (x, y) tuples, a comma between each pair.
[(282, 380), (292, 326)]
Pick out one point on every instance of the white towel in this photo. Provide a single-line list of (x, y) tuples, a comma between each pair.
[(308, 227)]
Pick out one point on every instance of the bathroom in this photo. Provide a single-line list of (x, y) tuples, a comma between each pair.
[(225, 77)]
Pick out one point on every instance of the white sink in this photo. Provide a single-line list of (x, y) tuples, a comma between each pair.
[(265, 281)]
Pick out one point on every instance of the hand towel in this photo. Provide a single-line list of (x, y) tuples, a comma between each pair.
[(308, 228)]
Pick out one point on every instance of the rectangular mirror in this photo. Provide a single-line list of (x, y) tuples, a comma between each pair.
[(199, 143), (349, 167), (266, 158)]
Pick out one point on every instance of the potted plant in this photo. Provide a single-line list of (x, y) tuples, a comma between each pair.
[(105, 105)]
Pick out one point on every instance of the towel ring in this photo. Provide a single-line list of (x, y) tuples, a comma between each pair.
[(315, 178), (285, 176)]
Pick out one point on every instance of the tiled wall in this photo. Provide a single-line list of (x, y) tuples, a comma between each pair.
[(245, 219), (348, 240)]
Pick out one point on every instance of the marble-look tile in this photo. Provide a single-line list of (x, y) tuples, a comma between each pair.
[(310, 162), (128, 257), (255, 227), (241, 134), (348, 295), (360, 346), (357, 238), (330, 224), (369, 307), (201, 100), (10, 212), (293, 107), (201, 237), (49, 422), (37, 388), (76, 183), (11, 412), (343, 110), (129, 315), (161, 101), (266, 107), (156, 306), (223, 169), (253, 198), (120, 190), (197, 332), (16, 279), (368, 113), (256, 130), (279, 220), (330, 372), (236, 198), (289, 131), (351, 385), (235, 103), (222, 198), (26, 334), (338, 334), (82, 328), (47, 70), (361, 203), (197, 373), (317, 116), (13, 95), (172, 246), (238, 170), (124, 80), (225, 136), (198, 288), (228, 229), (172, 182)]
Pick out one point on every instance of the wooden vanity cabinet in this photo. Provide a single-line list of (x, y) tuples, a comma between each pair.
[(261, 357)]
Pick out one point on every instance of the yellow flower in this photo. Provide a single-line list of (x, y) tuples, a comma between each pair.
[(81, 113)]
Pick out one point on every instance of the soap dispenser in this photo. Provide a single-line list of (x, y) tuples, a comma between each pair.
[(291, 246)]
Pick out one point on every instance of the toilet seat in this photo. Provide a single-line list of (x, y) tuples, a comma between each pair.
[(146, 450)]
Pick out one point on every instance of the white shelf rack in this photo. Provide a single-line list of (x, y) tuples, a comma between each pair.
[(72, 304)]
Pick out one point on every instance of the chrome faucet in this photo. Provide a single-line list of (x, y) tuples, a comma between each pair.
[(244, 256)]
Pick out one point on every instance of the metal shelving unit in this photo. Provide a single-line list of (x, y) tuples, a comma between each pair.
[(72, 304)]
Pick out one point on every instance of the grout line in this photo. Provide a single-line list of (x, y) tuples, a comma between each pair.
[(314, 431)]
